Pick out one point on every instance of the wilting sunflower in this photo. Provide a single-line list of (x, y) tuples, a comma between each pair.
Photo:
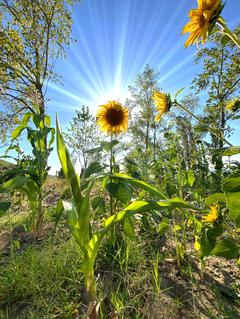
[(163, 104), (112, 117), (212, 216), (202, 20), (233, 105)]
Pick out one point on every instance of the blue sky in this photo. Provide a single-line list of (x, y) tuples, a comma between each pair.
[(115, 40)]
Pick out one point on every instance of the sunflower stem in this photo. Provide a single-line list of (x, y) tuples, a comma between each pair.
[(202, 122), (111, 171), (232, 232), (228, 32)]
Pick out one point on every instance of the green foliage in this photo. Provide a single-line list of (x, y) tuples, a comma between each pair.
[(78, 214), (30, 173), (231, 187), (4, 206), (33, 36), (82, 136), (226, 248)]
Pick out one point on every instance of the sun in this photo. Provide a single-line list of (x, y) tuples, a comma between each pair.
[(117, 94)]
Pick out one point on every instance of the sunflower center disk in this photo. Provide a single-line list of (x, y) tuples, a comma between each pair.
[(114, 117), (202, 21)]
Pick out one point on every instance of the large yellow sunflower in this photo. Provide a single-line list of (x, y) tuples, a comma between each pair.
[(112, 117), (162, 102), (212, 216), (202, 20)]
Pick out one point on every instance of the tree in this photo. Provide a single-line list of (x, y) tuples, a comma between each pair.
[(32, 37), (143, 127), (82, 136), (221, 80)]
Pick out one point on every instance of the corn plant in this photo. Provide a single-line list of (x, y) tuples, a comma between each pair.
[(88, 239), (30, 173)]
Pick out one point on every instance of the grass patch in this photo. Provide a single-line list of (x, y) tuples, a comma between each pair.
[(42, 282)]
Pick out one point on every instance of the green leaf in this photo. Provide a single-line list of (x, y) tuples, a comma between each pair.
[(36, 120), (129, 227), (141, 184), (67, 167), (235, 117), (228, 151), (94, 150), (233, 204), (123, 193), (227, 248), (174, 203), (215, 198), (200, 128), (98, 202), (231, 184), (83, 217), (108, 145), (18, 130), (26, 119), (52, 130), (4, 206), (97, 238), (163, 226), (72, 221), (208, 240), (93, 168), (190, 178), (47, 120), (130, 161), (178, 92), (112, 188), (14, 183), (224, 40), (58, 214)]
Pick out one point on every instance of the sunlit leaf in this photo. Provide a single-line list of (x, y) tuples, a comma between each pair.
[(227, 248), (190, 178), (141, 184), (67, 166), (14, 183), (129, 227), (231, 184), (178, 92), (18, 130), (233, 204), (215, 198)]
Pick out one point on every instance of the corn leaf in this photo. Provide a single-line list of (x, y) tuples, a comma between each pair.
[(141, 184), (67, 166)]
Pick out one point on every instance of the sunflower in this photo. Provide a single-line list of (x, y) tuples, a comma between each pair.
[(212, 216), (112, 117), (162, 102), (233, 105), (202, 20)]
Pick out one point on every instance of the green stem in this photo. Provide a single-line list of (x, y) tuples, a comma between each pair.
[(91, 285), (202, 122), (111, 171), (228, 32), (11, 234), (232, 232)]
